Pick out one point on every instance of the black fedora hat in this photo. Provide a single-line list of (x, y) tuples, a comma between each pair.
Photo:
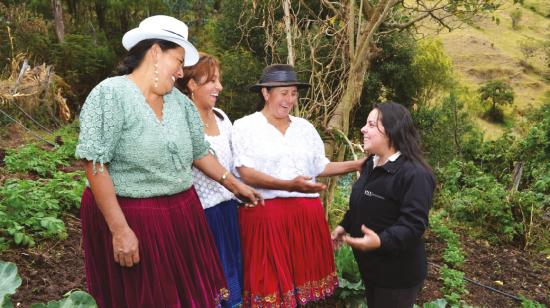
[(278, 75)]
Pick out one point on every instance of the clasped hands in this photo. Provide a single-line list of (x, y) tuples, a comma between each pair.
[(369, 241)]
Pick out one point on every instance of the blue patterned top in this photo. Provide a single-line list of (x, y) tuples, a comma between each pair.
[(147, 157)]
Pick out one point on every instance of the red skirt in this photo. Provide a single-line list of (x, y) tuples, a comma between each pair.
[(287, 253), (179, 264)]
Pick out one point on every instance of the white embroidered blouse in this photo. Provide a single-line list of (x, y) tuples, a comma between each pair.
[(211, 192), (259, 145)]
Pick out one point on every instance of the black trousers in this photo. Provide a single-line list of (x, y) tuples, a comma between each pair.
[(392, 298)]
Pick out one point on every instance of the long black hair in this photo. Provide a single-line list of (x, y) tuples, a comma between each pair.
[(401, 132), (135, 55)]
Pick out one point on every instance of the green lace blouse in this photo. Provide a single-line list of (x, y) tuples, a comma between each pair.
[(146, 156)]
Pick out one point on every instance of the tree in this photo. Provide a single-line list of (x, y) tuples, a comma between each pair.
[(58, 20), (498, 92), (433, 69)]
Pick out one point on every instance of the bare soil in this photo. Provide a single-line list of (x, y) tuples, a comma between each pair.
[(55, 267)]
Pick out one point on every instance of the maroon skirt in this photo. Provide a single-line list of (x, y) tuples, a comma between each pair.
[(287, 253), (179, 264)]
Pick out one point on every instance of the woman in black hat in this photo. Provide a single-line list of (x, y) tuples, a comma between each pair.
[(287, 250)]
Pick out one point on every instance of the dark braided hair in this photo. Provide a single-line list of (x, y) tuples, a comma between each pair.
[(136, 54)]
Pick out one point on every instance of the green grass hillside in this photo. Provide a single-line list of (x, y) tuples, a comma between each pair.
[(486, 50)]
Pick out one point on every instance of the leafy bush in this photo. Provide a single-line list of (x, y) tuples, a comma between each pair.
[(447, 129), (84, 60), (477, 199), (30, 208)]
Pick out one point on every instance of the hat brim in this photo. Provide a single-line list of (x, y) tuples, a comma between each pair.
[(257, 87), (134, 36)]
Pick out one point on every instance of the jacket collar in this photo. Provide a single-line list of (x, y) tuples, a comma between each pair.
[(391, 166)]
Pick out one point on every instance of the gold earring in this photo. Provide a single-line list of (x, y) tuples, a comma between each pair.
[(193, 95), (156, 77)]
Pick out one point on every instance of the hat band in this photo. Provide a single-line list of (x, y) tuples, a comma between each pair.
[(174, 33), (280, 76)]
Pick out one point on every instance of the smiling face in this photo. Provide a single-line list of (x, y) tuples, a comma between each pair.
[(206, 92), (375, 140), (280, 100), (170, 62)]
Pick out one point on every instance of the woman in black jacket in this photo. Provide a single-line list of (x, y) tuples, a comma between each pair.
[(388, 211)]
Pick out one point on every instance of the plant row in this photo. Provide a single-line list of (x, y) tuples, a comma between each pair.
[(32, 207)]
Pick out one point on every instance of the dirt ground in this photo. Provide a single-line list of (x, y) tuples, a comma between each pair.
[(53, 268)]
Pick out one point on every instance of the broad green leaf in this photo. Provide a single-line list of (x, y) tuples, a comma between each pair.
[(76, 299), (438, 303), (9, 282)]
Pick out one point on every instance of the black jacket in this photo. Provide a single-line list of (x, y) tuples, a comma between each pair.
[(393, 200)]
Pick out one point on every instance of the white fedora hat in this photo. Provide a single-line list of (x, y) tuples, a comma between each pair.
[(164, 28)]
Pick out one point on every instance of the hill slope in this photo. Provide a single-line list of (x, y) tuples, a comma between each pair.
[(488, 50)]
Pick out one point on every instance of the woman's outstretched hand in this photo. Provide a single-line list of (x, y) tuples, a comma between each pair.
[(303, 184), (369, 241), (337, 236), (125, 247)]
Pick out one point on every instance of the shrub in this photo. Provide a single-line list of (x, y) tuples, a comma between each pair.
[(477, 199), (84, 61), (516, 18)]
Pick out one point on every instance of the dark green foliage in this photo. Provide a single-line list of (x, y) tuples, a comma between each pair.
[(83, 62), (239, 71), (29, 33), (447, 130), (390, 76), (476, 199)]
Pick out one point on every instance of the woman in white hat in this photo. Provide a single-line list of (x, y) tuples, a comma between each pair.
[(145, 237)]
